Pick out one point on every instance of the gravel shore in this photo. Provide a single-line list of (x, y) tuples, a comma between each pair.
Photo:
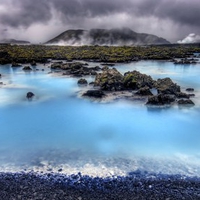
[(137, 185)]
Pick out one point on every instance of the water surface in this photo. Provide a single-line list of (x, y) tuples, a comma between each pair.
[(57, 129)]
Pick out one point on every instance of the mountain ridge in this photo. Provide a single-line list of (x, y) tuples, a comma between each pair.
[(112, 37)]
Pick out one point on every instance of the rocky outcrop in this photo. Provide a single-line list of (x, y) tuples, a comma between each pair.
[(161, 99), (145, 91), (82, 81), (94, 93), (14, 64), (109, 80), (136, 80), (190, 89), (27, 68), (30, 95), (166, 86), (186, 102), (75, 69)]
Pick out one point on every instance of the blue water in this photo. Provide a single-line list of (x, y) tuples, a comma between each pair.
[(58, 119)]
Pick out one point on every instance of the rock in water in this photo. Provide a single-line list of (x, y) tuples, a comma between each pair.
[(109, 80), (94, 93), (186, 102), (27, 68), (82, 81), (166, 86), (136, 80), (145, 91), (29, 95), (160, 99)]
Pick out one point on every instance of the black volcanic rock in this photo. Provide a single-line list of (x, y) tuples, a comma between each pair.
[(124, 36)]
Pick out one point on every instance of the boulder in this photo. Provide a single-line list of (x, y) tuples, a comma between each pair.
[(186, 102), (27, 68), (82, 81), (136, 80), (166, 86), (33, 63), (182, 95), (160, 99), (145, 91), (94, 93), (29, 95), (14, 64), (109, 80), (190, 89)]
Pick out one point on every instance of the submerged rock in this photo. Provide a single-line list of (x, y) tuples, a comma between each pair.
[(160, 99), (30, 95), (94, 93)]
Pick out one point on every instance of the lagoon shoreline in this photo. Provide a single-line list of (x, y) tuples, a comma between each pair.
[(137, 185)]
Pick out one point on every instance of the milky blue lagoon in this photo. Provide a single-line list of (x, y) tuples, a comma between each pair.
[(60, 130)]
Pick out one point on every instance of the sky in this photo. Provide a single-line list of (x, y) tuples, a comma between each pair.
[(41, 20)]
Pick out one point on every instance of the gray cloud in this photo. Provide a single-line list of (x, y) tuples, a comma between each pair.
[(172, 19)]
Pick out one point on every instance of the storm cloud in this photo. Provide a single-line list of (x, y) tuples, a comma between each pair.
[(41, 19)]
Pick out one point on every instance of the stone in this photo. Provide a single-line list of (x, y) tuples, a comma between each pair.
[(145, 91), (94, 93), (29, 95), (185, 102), (82, 81), (182, 95), (136, 80), (160, 99), (190, 89), (109, 80), (166, 86), (27, 68)]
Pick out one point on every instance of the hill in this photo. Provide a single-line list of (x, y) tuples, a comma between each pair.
[(112, 37)]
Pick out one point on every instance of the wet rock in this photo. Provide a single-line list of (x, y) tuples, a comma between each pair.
[(14, 64), (109, 80), (145, 91), (182, 95), (27, 68), (75, 69), (190, 89), (136, 80), (30, 95), (161, 99), (94, 93), (186, 102), (104, 68), (166, 86), (82, 81), (33, 63)]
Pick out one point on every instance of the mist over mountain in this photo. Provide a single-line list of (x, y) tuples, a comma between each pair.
[(13, 41), (113, 37)]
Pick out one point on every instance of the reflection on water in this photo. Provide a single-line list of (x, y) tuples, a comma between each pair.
[(85, 135)]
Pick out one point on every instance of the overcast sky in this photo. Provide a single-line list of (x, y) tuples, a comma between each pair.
[(40, 20)]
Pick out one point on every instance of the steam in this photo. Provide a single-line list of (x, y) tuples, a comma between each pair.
[(191, 38)]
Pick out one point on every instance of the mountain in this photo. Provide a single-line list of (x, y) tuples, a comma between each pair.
[(119, 37), (13, 41)]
